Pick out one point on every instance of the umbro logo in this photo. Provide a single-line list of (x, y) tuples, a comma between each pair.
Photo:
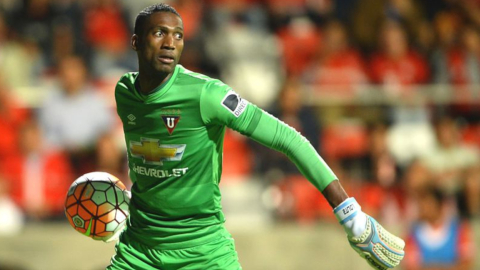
[(131, 119)]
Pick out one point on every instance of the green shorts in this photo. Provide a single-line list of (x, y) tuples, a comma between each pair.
[(218, 254)]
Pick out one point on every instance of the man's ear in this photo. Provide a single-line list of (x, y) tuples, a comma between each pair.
[(135, 42)]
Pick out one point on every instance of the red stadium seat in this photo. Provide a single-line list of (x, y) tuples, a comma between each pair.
[(344, 140), (237, 156), (471, 135)]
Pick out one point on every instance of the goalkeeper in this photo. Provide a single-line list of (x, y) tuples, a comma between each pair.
[(174, 122)]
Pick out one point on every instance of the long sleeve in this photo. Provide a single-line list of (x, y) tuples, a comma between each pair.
[(277, 135), (220, 105)]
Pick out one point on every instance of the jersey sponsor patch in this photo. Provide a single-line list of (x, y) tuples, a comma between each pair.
[(170, 122), (152, 172), (152, 152), (234, 103)]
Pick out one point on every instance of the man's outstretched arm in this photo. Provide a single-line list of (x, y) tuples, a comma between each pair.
[(220, 105), (381, 249), (335, 194)]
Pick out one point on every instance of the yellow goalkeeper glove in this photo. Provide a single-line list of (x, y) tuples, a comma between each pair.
[(367, 237)]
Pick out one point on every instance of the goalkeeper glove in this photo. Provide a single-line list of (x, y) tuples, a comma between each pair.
[(367, 237)]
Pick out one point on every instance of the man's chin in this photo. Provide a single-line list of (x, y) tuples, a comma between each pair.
[(166, 68)]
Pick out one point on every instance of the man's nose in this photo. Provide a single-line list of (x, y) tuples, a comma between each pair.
[(168, 42)]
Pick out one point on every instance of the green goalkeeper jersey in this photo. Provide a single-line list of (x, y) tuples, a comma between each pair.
[(174, 138)]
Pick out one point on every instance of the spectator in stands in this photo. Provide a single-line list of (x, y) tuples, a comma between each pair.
[(382, 165), (321, 11), (415, 179), (63, 42), (107, 30), (449, 159), (471, 53), (192, 11), (194, 18), (67, 31), (438, 240), (281, 12), (11, 117), (425, 41), (396, 65), (368, 16), (339, 67), (447, 25), (34, 19), (75, 115), (106, 27), (22, 61), (249, 58), (38, 177), (300, 41), (460, 65), (469, 196), (471, 10), (380, 192), (470, 73), (109, 158)]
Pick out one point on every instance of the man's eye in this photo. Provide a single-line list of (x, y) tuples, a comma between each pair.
[(159, 33), (179, 35)]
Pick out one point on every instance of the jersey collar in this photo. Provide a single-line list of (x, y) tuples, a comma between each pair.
[(159, 90)]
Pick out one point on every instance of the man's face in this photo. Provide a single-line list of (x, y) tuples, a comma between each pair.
[(73, 74), (161, 44)]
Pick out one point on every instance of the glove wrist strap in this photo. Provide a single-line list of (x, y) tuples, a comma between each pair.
[(347, 210)]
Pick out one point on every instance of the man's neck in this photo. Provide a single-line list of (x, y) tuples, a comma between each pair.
[(148, 82)]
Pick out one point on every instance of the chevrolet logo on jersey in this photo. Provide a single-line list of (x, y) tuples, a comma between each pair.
[(152, 152)]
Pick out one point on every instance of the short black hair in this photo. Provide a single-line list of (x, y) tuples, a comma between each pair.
[(435, 193), (146, 12)]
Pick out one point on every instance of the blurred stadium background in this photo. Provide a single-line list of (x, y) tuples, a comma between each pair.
[(388, 91)]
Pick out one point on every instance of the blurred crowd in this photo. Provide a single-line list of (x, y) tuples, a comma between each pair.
[(402, 160)]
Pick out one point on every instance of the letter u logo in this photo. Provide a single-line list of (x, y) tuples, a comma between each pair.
[(170, 122)]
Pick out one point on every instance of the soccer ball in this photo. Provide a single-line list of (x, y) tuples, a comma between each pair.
[(97, 205)]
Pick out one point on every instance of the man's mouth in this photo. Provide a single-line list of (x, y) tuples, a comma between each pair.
[(166, 59)]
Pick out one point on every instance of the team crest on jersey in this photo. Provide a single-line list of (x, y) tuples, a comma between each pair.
[(170, 122), (234, 103)]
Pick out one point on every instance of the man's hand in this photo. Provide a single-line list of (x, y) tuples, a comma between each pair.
[(380, 248)]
